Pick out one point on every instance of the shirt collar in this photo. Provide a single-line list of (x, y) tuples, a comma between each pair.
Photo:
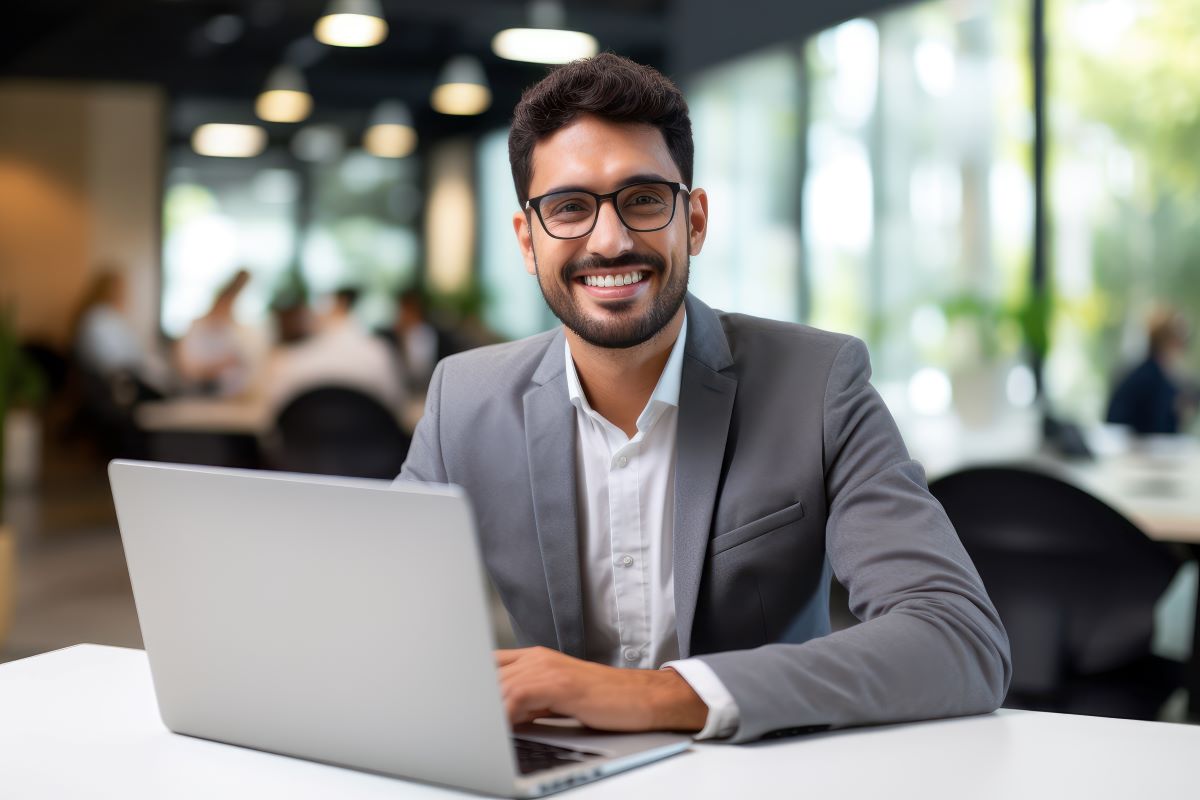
[(666, 391)]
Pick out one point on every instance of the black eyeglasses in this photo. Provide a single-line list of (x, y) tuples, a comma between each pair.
[(643, 207)]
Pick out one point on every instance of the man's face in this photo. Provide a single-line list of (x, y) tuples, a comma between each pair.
[(601, 157)]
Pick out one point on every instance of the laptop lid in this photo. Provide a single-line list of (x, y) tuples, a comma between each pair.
[(338, 620)]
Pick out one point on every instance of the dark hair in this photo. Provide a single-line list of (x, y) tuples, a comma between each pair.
[(347, 295), (611, 87)]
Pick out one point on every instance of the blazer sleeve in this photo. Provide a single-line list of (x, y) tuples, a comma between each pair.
[(424, 461), (930, 643)]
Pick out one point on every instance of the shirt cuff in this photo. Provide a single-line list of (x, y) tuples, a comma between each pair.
[(723, 718)]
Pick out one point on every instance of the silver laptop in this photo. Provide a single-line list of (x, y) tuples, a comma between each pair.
[(338, 620)]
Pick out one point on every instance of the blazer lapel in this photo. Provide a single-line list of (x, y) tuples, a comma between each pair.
[(706, 398), (550, 443)]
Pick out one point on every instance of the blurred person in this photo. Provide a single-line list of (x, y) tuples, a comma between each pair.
[(420, 343), (102, 339), (113, 371), (216, 355), (104, 343), (340, 353), (293, 321), (664, 490), (1151, 398)]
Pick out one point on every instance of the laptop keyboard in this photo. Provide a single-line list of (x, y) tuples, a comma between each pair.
[(536, 756)]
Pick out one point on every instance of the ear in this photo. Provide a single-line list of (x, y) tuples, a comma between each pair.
[(697, 220), (525, 240)]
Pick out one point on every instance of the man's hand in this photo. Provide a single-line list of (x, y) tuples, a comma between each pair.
[(538, 682)]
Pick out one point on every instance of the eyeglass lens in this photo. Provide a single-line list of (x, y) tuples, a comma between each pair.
[(642, 207)]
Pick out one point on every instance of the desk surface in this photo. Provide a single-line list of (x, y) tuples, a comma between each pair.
[(1159, 491), (82, 722), (1155, 484)]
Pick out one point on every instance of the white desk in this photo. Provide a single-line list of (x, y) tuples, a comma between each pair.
[(82, 722), (1158, 490), (250, 416)]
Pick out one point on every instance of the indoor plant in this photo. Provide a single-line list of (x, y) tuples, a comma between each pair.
[(20, 384)]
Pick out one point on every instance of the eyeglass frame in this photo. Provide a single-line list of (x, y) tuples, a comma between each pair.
[(535, 204)]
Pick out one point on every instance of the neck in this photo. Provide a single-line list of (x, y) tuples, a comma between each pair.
[(618, 382)]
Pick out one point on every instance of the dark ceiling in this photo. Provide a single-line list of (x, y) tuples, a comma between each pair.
[(177, 44)]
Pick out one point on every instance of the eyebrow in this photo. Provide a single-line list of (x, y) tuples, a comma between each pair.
[(641, 177)]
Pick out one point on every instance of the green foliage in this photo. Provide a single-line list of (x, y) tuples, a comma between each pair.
[(991, 320), (1148, 92), (21, 383)]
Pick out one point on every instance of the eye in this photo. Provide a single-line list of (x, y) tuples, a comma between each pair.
[(644, 200), (566, 206)]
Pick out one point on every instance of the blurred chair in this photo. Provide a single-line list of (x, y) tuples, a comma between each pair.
[(106, 412), (333, 430), (1075, 583)]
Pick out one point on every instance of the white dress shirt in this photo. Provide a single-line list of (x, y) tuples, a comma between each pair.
[(343, 354), (626, 494)]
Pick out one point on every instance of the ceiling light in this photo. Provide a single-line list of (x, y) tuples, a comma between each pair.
[(543, 45), (285, 97), (390, 132), (545, 41), (352, 23), (462, 88), (229, 141)]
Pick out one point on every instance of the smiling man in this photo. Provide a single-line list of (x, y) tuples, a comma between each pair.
[(663, 490)]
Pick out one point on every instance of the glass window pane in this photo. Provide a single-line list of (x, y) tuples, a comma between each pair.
[(1123, 187), (513, 305), (746, 122), (918, 199), (220, 215), (361, 230)]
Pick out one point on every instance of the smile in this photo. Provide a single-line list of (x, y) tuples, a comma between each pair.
[(602, 281)]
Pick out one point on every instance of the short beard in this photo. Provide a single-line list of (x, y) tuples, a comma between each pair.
[(627, 331)]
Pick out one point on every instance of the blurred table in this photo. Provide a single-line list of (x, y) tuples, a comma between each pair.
[(201, 430), (251, 417), (82, 722), (1156, 484)]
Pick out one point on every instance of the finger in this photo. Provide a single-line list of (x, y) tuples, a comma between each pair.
[(504, 657), (518, 714)]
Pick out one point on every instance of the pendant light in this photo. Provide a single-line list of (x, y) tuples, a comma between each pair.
[(285, 96), (390, 132), (545, 41), (352, 23), (462, 88), (229, 141)]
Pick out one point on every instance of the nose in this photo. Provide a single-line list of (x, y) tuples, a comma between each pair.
[(610, 237)]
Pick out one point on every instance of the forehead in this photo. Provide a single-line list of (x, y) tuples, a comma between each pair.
[(600, 155)]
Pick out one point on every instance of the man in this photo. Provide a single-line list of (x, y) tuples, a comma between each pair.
[(1149, 399), (659, 485)]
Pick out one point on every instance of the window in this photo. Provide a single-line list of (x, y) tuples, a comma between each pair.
[(1123, 187)]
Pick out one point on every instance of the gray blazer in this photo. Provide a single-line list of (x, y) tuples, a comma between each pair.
[(789, 465)]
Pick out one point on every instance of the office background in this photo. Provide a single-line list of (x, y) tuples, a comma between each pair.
[(995, 194)]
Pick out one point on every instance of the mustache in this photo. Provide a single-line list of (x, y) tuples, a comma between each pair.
[(571, 269)]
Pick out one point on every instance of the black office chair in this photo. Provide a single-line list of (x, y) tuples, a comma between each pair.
[(332, 430), (1075, 583)]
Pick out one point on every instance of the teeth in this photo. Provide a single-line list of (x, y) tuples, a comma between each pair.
[(613, 280)]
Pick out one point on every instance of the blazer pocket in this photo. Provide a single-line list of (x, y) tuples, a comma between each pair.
[(757, 528)]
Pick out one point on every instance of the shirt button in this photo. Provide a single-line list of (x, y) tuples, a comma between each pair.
[(622, 461), (632, 655), (626, 561)]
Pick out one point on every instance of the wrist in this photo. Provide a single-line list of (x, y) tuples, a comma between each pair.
[(675, 704)]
